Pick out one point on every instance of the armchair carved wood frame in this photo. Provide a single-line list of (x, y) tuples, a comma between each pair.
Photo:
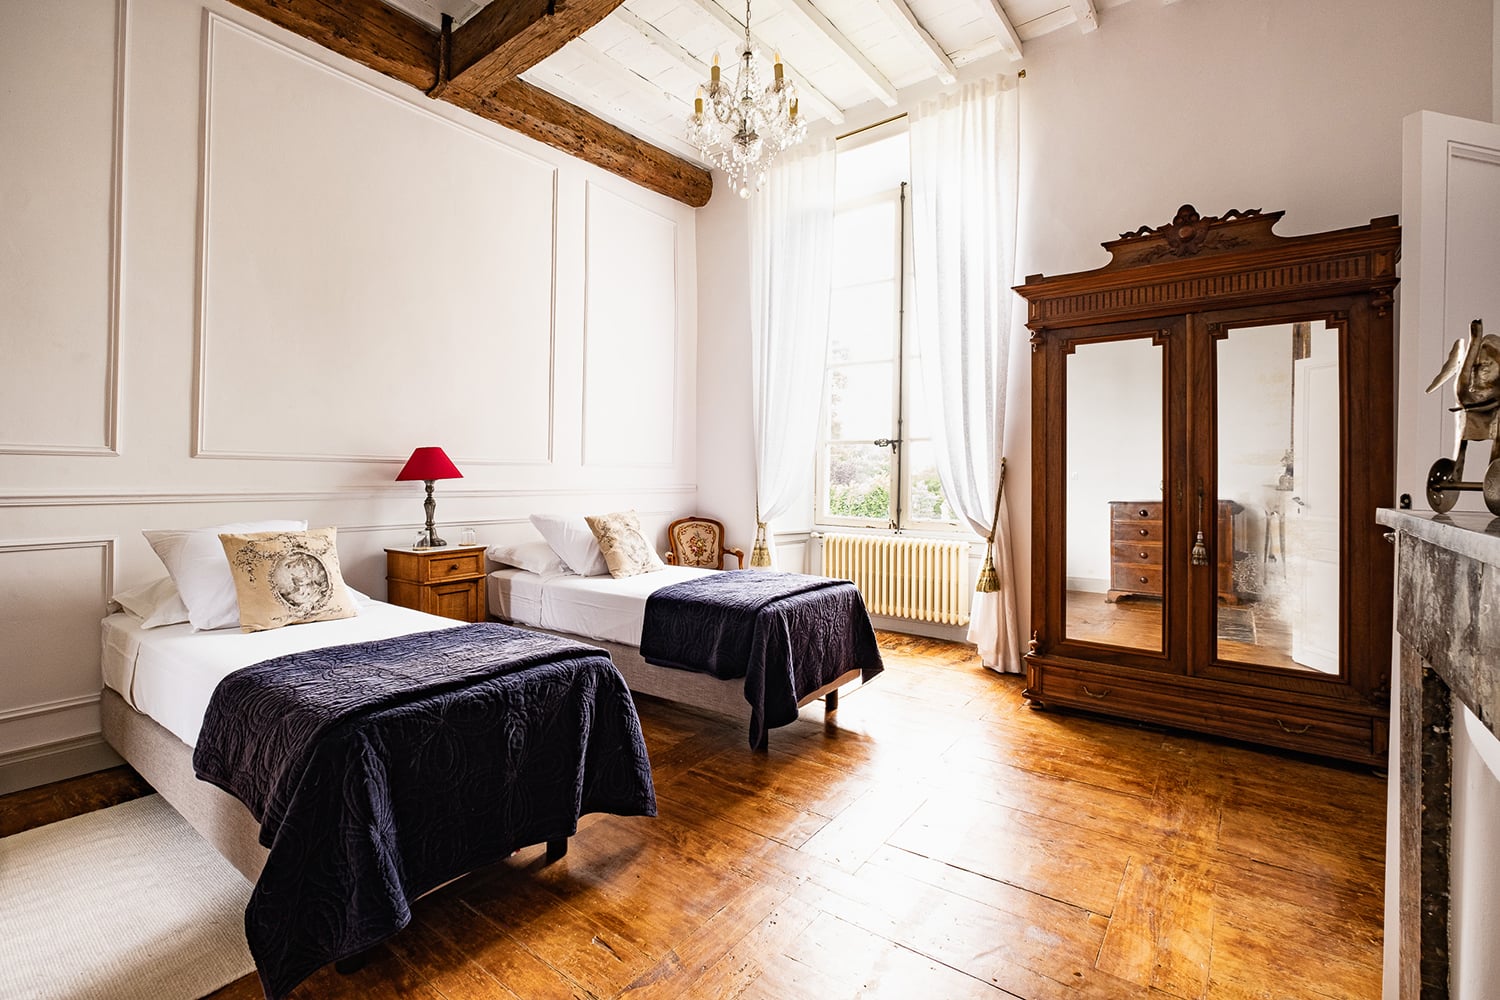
[(699, 541)]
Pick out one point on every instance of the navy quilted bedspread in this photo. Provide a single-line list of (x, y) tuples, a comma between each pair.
[(380, 770), (787, 634)]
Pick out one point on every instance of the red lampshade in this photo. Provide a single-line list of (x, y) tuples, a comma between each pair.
[(428, 463)]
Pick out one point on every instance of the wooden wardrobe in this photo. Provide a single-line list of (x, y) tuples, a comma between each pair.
[(1237, 386)]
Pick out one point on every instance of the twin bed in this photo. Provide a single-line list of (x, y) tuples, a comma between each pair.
[(823, 636), (499, 737)]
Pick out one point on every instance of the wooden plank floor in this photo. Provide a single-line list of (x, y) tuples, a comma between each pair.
[(937, 840)]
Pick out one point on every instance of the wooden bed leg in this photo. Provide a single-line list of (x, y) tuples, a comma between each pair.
[(556, 849), (831, 701), (352, 964)]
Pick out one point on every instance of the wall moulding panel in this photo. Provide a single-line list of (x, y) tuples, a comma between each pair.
[(364, 257), (60, 213), (401, 494), (52, 594), (631, 323)]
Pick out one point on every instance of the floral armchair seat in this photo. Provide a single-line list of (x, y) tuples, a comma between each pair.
[(699, 541)]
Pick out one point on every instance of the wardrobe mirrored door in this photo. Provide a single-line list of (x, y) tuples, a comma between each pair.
[(1276, 564), (1115, 520)]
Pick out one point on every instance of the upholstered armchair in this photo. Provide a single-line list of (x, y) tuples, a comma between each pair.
[(699, 541)]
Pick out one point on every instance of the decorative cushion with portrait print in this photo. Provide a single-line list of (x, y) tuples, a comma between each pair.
[(287, 578), (625, 548)]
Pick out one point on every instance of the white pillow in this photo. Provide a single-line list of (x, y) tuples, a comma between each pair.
[(195, 559), (574, 543), (156, 603), (534, 557)]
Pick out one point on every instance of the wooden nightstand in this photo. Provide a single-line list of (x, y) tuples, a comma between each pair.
[(448, 581)]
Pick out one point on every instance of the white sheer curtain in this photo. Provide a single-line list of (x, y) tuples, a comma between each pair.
[(791, 271), (964, 152)]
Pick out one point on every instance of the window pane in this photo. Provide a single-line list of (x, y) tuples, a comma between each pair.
[(925, 500), (862, 323), (859, 481), (864, 244), (859, 402)]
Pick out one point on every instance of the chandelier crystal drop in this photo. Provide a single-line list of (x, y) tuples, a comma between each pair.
[(741, 129)]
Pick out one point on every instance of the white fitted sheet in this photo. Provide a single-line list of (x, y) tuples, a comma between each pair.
[(599, 607), (170, 673)]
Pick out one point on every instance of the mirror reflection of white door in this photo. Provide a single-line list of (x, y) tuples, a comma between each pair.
[(1312, 511)]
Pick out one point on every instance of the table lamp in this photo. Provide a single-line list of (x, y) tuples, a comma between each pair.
[(429, 464)]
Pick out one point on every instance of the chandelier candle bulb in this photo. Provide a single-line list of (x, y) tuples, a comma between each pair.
[(778, 69), (713, 75), (698, 103)]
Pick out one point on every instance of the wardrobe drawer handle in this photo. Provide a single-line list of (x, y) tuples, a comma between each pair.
[(1145, 532), (1101, 694), (1145, 555), (1145, 512), (1143, 579), (1294, 732)]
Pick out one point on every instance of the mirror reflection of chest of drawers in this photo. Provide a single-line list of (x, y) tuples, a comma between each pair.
[(1136, 549)]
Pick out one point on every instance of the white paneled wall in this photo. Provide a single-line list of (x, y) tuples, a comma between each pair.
[(241, 277)]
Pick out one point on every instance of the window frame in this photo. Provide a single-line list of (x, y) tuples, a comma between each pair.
[(904, 360)]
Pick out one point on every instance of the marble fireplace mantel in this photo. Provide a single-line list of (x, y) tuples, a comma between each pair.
[(1448, 617)]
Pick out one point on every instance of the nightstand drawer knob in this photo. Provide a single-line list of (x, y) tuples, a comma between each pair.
[(452, 567), (1145, 512), (1145, 532)]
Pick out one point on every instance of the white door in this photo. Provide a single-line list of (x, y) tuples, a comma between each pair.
[(1312, 512)]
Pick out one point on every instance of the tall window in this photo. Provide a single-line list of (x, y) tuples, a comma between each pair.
[(876, 466)]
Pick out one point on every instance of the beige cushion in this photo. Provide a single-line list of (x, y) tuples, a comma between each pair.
[(625, 548), (287, 578)]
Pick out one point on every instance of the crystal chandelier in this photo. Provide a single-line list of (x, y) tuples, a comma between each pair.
[(740, 129)]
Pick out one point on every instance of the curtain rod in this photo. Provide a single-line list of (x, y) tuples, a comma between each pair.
[(1020, 75)]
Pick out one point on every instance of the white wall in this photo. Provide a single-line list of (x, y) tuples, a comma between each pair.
[(241, 277)]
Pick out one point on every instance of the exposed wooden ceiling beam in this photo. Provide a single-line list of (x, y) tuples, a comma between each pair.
[(911, 29), (1088, 17), (1000, 21), (815, 21), (534, 112), (403, 48), (818, 102), (508, 37)]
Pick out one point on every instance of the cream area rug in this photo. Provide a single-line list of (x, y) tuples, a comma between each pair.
[(123, 903)]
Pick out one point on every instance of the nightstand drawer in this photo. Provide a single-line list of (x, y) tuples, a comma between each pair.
[(436, 565), (458, 566)]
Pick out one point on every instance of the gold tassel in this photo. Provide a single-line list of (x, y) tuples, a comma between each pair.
[(989, 580), (760, 556)]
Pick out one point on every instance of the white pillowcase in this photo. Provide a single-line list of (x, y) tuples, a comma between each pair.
[(534, 557), (194, 558), (573, 541), (156, 603)]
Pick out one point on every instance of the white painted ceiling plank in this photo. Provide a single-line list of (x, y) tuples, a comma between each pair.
[(1000, 22), (663, 41), (588, 78), (814, 20), (818, 103), (911, 29), (1088, 17)]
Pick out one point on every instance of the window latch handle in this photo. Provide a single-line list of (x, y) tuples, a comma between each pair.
[(891, 443)]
